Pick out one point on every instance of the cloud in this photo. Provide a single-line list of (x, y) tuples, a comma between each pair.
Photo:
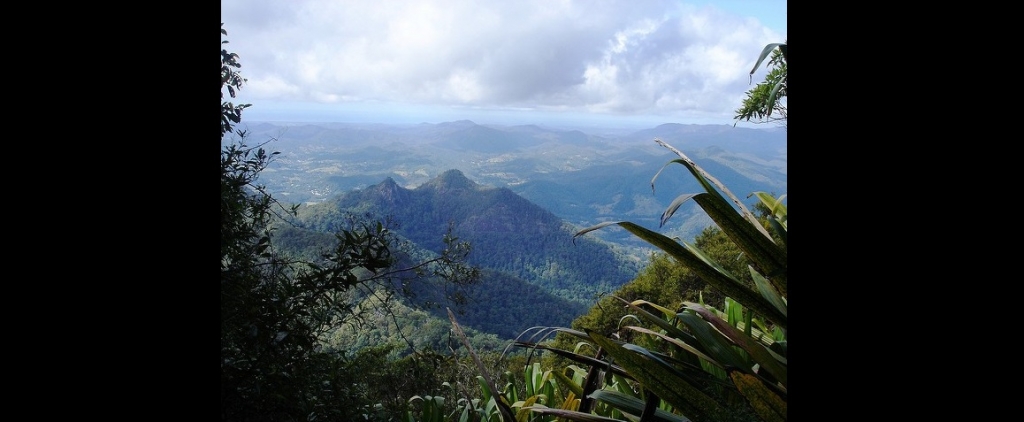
[(583, 56)]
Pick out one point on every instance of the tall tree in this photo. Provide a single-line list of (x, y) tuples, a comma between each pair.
[(275, 308)]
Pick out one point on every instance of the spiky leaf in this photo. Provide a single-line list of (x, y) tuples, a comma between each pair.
[(723, 281), (768, 360), (634, 405), (688, 399)]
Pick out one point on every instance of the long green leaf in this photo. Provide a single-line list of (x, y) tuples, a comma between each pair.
[(668, 313), (768, 291), (768, 360), (485, 388), (781, 230), (572, 415), (673, 207), (717, 345), (775, 205), (563, 380), (723, 281), (707, 180), (775, 91), (531, 382), (698, 174), (674, 340), (524, 409), (669, 327), (742, 227), (688, 399), (692, 372), (779, 215), (633, 405), (765, 52), (770, 259), (578, 358)]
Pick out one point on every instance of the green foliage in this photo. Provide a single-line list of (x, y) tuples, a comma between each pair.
[(531, 272), (662, 281), (230, 113), (686, 361), (701, 363), (276, 308), (766, 97), (273, 310), (395, 323)]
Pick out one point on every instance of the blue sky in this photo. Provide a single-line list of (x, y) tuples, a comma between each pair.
[(625, 64)]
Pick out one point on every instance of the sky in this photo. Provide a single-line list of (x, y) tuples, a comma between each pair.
[(560, 63)]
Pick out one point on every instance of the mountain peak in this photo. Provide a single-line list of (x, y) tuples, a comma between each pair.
[(461, 124), (390, 191), (451, 180)]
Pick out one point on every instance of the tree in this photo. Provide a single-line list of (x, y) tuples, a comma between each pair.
[(270, 366), (229, 78), (274, 308), (768, 96)]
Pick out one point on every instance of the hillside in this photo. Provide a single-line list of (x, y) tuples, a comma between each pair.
[(528, 257), (516, 194)]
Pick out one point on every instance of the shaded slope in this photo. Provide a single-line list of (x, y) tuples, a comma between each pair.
[(508, 233)]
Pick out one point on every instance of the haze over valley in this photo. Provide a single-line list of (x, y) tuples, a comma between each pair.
[(517, 194), (582, 178)]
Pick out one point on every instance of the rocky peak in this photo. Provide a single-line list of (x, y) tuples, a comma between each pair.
[(451, 180), (389, 191)]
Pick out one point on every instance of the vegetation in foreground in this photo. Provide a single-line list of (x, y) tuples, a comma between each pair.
[(275, 308), (667, 357)]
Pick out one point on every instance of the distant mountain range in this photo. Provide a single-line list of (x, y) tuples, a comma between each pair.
[(517, 194), (582, 179)]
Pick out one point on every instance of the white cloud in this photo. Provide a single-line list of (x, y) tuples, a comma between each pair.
[(650, 57)]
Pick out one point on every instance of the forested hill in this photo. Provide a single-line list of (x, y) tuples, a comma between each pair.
[(508, 233), (528, 257)]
